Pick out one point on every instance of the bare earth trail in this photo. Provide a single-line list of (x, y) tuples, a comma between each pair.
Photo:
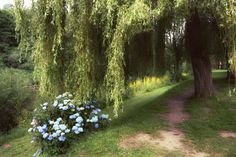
[(172, 139)]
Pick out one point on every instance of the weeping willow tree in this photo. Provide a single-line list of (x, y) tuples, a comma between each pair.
[(133, 20), (228, 26), (202, 15), (83, 66), (48, 48), (101, 28)]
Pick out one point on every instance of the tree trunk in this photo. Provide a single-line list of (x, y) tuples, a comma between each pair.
[(160, 46), (202, 76), (177, 53), (196, 43), (154, 40)]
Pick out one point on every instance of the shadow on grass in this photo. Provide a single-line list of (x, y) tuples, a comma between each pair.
[(143, 112)]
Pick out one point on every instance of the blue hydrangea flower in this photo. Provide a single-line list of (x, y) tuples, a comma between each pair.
[(77, 131), (65, 108), (59, 97), (87, 107), (62, 127), (72, 105), (50, 137), (55, 103), (56, 127), (60, 105), (56, 122), (67, 130), (77, 114), (40, 129), (74, 128), (96, 125), (62, 138), (30, 130), (95, 112), (45, 135), (59, 119), (104, 116), (78, 124), (94, 119), (98, 110), (44, 127), (58, 131), (45, 104), (79, 119), (55, 135), (51, 122), (80, 129), (72, 116), (81, 108)]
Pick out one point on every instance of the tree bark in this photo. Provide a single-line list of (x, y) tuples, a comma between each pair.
[(196, 42)]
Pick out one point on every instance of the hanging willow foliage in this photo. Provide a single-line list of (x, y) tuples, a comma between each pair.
[(48, 48), (132, 20), (59, 68), (84, 53), (23, 30)]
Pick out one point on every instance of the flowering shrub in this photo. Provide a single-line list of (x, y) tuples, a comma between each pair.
[(57, 124)]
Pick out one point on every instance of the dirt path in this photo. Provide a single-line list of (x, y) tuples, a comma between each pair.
[(176, 104), (172, 139)]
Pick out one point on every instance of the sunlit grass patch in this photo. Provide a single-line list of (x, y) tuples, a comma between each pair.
[(147, 84)]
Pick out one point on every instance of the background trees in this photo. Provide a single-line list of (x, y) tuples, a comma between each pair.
[(7, 30)]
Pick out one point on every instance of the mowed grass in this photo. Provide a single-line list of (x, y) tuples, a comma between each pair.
[(211, 116), (141, 114)]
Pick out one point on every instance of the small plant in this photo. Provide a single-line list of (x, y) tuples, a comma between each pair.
[(62, 121)]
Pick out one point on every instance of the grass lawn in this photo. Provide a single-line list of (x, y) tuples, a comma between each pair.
[(142, 114)]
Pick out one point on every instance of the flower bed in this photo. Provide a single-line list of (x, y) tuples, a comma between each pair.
[(62, 121)]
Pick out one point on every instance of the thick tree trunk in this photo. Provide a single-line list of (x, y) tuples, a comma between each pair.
[(196, 43), (202, 75)]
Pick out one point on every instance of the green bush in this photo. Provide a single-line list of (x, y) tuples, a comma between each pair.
[(16, 94), (14, 59)]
